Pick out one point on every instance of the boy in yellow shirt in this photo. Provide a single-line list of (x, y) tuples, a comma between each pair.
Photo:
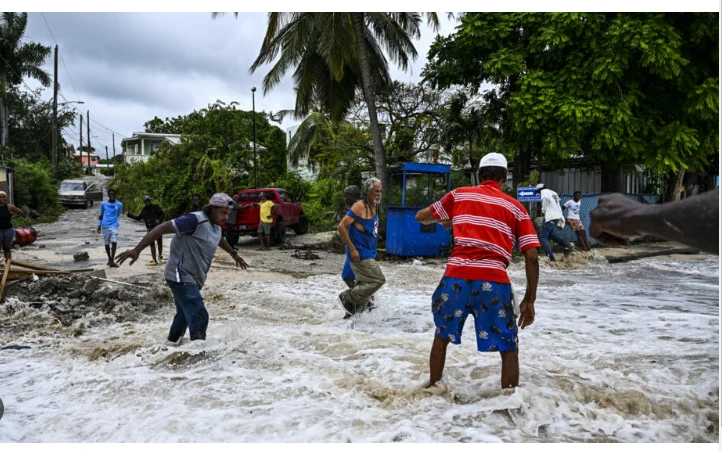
[(268, 209)]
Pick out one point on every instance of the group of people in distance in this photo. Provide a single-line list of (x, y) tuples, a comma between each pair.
[(487, 225)]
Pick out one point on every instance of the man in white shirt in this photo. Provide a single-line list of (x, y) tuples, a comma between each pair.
[(575, 222), (553, 219)]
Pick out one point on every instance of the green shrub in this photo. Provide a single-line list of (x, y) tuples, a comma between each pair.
[(35, 186)]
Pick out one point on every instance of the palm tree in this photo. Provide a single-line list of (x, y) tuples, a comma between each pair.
[(17, 60), (344, 51)]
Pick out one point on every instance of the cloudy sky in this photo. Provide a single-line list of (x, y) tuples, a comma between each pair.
[(130, 67)]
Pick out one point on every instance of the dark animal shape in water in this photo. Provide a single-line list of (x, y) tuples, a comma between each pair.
[(16, 347)]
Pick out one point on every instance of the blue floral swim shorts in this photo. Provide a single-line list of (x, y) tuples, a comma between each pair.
[(491, 305)]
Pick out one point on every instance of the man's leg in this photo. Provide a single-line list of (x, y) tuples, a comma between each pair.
[(107, 251), (369, 279), (160, 248), (152, 251), (583, 241), (268, 241), (350, 283), (113, 247), (179, 325), (7, 252), (580, 238), (509, 368), (194, 310), (260, 236), (7, 236), (437, 360), (556, 237), (544, 239)]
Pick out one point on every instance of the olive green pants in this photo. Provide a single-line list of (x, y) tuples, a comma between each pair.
[(369, 279)]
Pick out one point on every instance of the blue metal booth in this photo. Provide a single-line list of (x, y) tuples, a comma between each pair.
[(413, 187)]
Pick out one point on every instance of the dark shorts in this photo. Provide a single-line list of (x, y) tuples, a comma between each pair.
[(491, 305), (7, 236)]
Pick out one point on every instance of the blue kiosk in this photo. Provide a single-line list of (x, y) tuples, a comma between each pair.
[(414, 186)]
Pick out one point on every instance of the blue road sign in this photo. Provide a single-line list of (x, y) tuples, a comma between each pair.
[(527, 194)]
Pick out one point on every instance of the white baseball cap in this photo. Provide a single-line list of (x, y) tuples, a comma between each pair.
[(540, 186), (493, 159)]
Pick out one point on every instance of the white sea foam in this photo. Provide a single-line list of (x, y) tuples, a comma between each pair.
[(618, 353)]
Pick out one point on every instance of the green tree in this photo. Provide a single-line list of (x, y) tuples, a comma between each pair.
[(617, 88), (214, 155), (334, 54), (469, 130), (412, 114), (17, 60), (30, 122), (35, 186)]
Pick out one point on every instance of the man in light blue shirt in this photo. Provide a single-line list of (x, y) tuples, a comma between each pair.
[(108, 222)]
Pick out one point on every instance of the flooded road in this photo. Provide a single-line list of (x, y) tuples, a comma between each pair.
[(74, 232), (618, 353)]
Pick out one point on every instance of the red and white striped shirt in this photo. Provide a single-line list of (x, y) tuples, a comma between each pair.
[(488, 224)]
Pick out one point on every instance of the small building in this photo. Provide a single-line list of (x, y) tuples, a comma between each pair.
[(141, 146)]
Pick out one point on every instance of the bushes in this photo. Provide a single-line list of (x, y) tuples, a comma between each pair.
[(294, 184), (35, 188), (325, 206), (34, 185)]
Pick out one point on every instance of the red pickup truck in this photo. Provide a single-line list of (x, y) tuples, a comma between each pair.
[(289, 214)]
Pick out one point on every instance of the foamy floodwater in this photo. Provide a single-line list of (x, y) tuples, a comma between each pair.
[(618, 353)]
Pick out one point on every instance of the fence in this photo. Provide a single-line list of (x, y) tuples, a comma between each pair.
[(589, 202)]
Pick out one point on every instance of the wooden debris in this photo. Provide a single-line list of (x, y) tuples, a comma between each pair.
[(29, 269), (306, 255), (5, 277)]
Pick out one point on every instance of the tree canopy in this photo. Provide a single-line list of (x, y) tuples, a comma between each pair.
[(617, 88), (215, 155)]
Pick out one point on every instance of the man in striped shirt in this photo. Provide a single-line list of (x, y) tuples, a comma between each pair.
[(488, 224)]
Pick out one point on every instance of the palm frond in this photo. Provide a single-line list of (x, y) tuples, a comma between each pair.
[(393, 37)]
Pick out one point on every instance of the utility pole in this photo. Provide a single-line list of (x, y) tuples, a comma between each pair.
[(113, 154), (255, 159), (55, 115), (81, 143), (81, 156), (106, 156)]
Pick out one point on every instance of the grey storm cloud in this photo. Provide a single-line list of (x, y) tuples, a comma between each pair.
[(130, 67), (123, 54)]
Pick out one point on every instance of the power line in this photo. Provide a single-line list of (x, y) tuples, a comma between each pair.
[(61, 55), (91, 119), (61, 95), (110, 130)]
